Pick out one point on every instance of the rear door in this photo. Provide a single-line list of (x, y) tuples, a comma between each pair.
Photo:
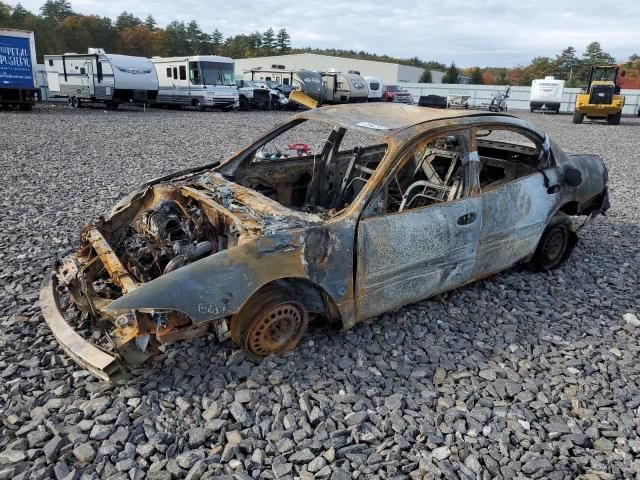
[(424, 238)]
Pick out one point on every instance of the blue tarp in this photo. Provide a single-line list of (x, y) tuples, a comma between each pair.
[(15, 62)]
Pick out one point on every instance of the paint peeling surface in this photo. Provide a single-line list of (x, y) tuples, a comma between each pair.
[(326, 217)]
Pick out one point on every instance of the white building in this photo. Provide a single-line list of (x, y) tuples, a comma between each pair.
[(387, 72)]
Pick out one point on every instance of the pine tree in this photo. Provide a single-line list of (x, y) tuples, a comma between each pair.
[(476, 76), (452, 75), (150, 23), (217, 40), (426, 76), (283, 41), (269, 41)]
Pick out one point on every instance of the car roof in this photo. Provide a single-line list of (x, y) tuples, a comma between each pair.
[(386, 118)]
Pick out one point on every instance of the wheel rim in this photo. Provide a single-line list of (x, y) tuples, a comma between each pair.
[(554, 245), (275, 329)]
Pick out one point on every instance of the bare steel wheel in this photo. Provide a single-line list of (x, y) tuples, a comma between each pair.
[(270, 322)]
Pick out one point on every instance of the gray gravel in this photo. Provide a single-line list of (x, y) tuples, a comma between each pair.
[(521, 375)]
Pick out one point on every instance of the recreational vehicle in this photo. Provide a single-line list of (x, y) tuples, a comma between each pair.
[(546, 94), (201, 81), (97, 76), (306, 81), (345, 87), (375, 88)]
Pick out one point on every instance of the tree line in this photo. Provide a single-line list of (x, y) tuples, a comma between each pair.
[(566, 65)]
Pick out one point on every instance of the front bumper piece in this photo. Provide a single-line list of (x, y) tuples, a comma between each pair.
[(88, 356)]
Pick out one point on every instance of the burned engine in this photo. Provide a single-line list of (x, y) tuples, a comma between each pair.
[(165, 238)]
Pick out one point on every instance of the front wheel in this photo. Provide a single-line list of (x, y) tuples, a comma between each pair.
[(614, 119), (75, 102), (555, 245), (199, 106), (578, 117), (270, 323)]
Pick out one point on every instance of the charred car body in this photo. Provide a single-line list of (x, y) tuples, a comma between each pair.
[(392, 204)]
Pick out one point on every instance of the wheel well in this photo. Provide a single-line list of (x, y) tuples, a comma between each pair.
[(193, 102), (314, 298), (570, 208)]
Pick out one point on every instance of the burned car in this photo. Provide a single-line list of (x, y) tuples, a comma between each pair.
[(391, 204)]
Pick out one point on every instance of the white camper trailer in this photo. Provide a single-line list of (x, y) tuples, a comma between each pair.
[(546, 94), (201, 81), (344, 87), (97, 76), (375, 88)]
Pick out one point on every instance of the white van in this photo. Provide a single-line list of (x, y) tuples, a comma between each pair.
[(375, 88), (200, 81), (97, 76), (546, 94)]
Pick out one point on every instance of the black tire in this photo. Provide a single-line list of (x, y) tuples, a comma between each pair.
[(614, 119), (75, 102), (578, 117), (112, 105), (271, 322), (198, 105), (26, 108), (244, 104), (555, 245)]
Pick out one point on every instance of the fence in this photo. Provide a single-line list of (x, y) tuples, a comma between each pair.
[(518, 99)]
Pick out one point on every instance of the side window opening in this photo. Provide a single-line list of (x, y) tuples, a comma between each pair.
[(433, 173), (169, 72), (175, 73), (83, 71), (505, 155), (183, 72), (50, 63)]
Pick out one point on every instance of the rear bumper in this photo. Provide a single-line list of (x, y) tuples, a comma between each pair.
[(88, 356)]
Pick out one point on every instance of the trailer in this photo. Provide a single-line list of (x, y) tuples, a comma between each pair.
[(306, 82), (18, 82), (200, 81), (546, 94), (345, 87), (100, 77)]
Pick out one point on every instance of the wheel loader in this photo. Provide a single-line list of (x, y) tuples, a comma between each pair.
[(601, 99)]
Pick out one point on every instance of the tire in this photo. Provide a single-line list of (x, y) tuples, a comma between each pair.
[(112, 105), (75, 102), (271, 322), (198, 105), (244, 104), (578, 117), (614, 119), (555, 245), (26, 108)]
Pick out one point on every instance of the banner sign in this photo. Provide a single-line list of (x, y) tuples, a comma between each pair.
[(15, 62)]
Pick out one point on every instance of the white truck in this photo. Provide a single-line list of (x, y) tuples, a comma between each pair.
[(200, 81), (18, 82), (97, 76), (546, 94)]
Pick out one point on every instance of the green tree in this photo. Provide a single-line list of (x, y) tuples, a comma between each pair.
[(268, 41), (197, 40), (594, 55), (567, 63), (476, 76), (56, 10), (283, 41), (426, 76), (452, 75), (176, 39), (150, 23), (6, 14), (217, 41), (127, 20), (501, 76)]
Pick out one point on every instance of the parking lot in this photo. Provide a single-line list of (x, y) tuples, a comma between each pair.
[(524, 374)]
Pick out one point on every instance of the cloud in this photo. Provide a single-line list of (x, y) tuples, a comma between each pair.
[(491, 32)]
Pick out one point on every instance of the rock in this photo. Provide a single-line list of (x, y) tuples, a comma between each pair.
[(84, 452), (12, 456), (631, 319), (52, 447), (281, 469), (537, 464), (188, 459), (243, 396), (394, 402), (441, 453), (198, 436), (302, 456), (238, 412), (316, 464), (212, 412), (125, 465), (603, 444), (197, 470), (488, 374), (100, 432)]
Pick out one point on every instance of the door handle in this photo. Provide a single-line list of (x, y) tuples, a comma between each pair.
[(467, 219)]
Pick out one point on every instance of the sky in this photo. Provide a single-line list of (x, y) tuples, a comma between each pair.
[(481, 33)]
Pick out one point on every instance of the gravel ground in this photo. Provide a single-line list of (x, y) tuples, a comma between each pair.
[(521, 375)]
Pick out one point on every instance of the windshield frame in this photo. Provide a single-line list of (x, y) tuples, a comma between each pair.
[(213, 73)]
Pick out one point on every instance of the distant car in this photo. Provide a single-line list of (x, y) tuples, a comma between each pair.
[(393, 93), (258, 94), (432, 101), (341, 212)]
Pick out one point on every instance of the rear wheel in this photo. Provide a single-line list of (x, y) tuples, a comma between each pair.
[(556, 244), (578, 117), (614, 119), (271, 322), (244, 103)]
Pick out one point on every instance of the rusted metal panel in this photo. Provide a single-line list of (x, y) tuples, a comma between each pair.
[(110, 261)]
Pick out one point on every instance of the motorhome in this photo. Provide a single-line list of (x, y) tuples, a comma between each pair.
[(306, 81), (375, 86), (200, 81), (344, 87), (546, 94), (97, 76)]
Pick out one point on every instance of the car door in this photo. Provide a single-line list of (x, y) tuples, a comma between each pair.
[(517, 199), (425, 239)]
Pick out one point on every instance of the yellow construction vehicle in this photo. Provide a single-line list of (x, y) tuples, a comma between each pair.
[(601, 98)]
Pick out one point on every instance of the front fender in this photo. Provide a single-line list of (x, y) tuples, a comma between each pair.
[(218, 285)]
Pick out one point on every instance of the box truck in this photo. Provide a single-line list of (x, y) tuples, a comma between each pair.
[(97, 76), (18, 83), (546, 94), (200, 81)]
